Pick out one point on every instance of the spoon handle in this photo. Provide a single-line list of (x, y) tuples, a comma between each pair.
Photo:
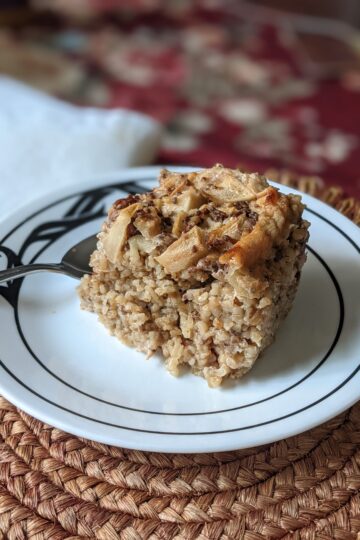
[(21, 271)]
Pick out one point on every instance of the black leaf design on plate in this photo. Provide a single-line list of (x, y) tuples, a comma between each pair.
[(85, 209), (10, 291), (87, 202), (50, 231)]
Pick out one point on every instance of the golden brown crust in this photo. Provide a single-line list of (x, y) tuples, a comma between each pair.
[(240, 217), (276, 215)]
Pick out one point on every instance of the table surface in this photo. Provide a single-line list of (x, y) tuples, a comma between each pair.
[(227, 90)]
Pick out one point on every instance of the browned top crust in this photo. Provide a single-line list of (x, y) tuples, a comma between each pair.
[(217, 214)]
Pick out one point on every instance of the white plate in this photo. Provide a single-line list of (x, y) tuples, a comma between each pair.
[(60, 365)]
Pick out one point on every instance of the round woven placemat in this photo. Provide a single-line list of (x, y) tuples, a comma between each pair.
[(54, 485)]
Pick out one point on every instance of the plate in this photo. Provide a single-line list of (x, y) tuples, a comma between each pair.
[(60, 365)]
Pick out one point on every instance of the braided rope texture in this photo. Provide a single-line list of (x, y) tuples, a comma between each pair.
[(55, 486)]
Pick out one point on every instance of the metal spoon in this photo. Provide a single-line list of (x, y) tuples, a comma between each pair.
[(75, 263)]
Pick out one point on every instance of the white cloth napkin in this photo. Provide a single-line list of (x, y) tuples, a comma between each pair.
[(46, 143)]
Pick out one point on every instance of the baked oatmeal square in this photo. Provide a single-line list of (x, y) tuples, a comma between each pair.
[(202, 268)]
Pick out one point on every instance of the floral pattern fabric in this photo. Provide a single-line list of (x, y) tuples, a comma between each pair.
[(227, 90)]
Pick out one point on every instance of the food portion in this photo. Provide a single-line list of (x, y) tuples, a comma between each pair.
[(203, 269)]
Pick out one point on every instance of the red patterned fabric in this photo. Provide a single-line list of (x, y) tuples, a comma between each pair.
[(227, 90)]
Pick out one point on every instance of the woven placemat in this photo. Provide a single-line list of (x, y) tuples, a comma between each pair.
[(54, 485)]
